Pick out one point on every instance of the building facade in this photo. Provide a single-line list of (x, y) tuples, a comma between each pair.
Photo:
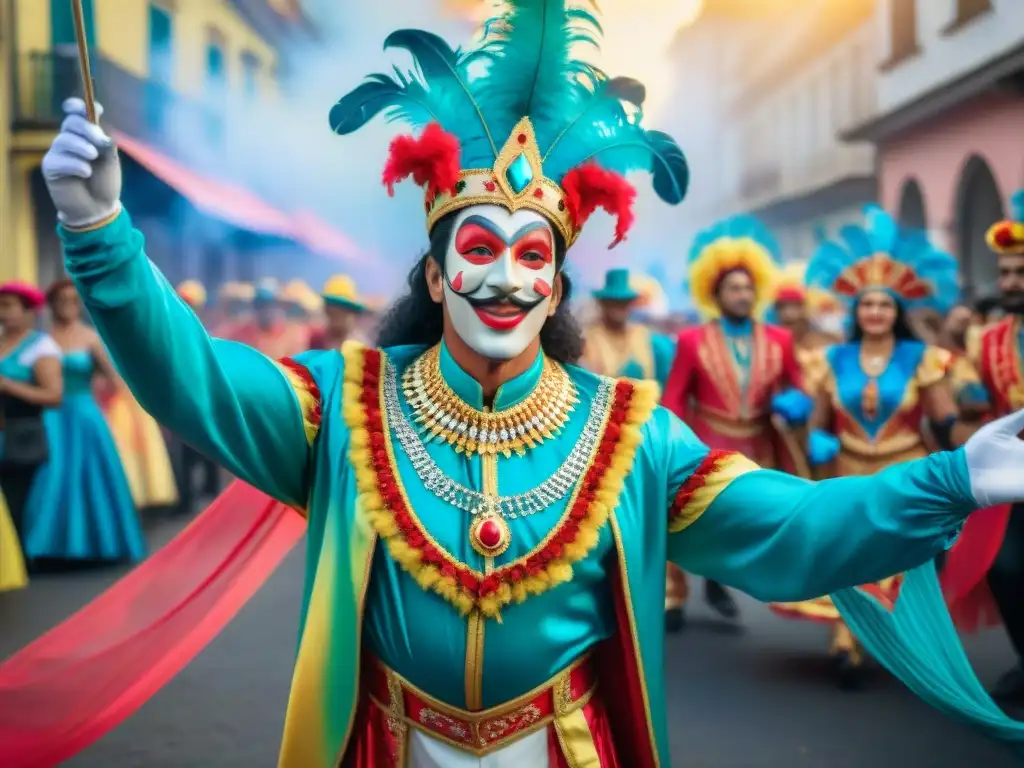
[(949, 129), (803, 79), (172, 76)]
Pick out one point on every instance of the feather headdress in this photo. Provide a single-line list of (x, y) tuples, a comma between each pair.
[(1008, 236), (740, 242), (881, 255), (518, 121)]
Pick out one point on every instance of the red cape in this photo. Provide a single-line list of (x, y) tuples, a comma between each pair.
[(968, 562)]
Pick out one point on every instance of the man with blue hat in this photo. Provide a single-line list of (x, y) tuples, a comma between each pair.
[(616, 346)]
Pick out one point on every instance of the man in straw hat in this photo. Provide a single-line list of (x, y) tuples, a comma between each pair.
[(342, 310)]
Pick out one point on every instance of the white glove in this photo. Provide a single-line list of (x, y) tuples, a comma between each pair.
[(995, 461), (82, 170)]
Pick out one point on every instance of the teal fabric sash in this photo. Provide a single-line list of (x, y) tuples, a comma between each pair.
[(918, 643)]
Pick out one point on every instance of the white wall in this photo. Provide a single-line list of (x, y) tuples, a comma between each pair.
[(791, 134), (798, 241), (945, 57)]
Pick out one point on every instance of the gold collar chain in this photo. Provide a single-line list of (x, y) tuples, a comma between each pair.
[(443, 415)]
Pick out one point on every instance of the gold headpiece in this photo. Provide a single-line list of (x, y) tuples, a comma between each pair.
[(516, 182)]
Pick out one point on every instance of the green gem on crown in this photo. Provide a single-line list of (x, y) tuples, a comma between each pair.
[(519, 174)]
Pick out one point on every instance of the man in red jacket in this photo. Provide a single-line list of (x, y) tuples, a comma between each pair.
[(734, 378)]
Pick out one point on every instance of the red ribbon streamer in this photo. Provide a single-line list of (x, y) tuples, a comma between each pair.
[(89, 674)]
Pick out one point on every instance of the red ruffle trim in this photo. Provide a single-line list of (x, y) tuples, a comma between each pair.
[(315, 416), (696, 481)]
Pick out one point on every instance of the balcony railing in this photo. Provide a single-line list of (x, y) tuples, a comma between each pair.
[(145, 109)]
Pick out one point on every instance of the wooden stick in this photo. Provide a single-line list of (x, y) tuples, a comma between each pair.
[(83, 61)]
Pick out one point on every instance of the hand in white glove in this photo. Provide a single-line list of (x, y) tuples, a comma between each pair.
[(995, 461), (82, 171)]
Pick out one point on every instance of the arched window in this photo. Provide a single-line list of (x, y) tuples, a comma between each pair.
[(979, 204), (912, 213)]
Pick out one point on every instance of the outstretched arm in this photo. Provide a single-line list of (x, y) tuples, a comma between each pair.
[(249, 413), (780, 538)]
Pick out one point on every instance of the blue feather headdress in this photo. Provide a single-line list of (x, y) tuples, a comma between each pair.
[(517, 121), (882, 255), (739, 242), (1008, 236)]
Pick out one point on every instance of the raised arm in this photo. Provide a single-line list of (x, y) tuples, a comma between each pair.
[(252, 414), (783, 539)]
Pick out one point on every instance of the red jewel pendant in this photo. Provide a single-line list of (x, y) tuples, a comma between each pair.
[(489, 535)]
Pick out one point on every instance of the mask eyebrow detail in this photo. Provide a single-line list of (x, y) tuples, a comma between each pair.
[(526, 229), (495, 230), (487, 224)]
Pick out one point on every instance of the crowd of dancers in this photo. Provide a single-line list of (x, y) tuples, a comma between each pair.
[(863, 358), (80, 461)]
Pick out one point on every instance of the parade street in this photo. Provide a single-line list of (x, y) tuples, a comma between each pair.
[(756, 698)]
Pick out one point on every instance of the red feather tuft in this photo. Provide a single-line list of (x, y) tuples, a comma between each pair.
[(590, 187), (432, 160)]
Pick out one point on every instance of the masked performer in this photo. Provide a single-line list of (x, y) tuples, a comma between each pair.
[(988, 560), (82, 508), (470, 474), (617, 347), (877, 391), (342, 309), (732, 372)]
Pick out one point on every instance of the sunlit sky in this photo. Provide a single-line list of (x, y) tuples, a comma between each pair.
[(339, 177), (637, 35)]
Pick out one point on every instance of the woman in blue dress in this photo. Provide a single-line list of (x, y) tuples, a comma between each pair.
[(883, 397), (81, 506), (30, 380)]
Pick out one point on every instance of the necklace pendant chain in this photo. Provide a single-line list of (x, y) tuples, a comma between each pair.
[(490, 508), (440, 415)]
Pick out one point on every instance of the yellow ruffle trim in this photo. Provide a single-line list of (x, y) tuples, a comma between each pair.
[(308, 395), (435, 569)]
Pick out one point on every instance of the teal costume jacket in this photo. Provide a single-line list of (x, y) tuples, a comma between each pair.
[(389, 567)]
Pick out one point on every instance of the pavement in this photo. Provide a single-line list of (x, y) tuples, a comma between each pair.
[(757, 695)]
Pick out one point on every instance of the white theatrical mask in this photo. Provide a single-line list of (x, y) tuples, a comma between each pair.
[(498, 277)]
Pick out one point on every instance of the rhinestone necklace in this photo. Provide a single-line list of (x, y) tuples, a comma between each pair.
[(441, 415), (554, 488)]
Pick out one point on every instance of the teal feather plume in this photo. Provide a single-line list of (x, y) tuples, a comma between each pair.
[(438, 89), (1017, 205), (738, 227), (880, 233), (532, 70), (524, 66)]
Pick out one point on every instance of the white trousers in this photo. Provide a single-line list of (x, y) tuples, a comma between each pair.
[(528, 752)]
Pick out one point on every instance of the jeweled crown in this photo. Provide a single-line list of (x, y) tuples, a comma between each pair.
[(516, 182)]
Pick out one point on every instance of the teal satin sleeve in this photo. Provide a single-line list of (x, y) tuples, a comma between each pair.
[(225, 398), (783, 539)]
